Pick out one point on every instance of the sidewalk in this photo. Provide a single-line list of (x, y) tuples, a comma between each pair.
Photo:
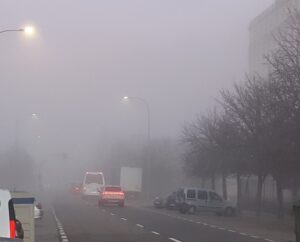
[(266, 226), (45, 228)]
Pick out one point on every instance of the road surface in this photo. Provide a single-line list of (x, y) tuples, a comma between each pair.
[(80, 220)]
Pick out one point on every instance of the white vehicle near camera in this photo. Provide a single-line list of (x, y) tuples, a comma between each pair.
[(8, 222), (93, 184), (191, 200)]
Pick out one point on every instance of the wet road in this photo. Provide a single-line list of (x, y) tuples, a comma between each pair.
[(80, 220)]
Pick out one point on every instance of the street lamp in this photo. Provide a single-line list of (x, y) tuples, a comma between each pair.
[(28, 30), (147, 106), (34, 115)]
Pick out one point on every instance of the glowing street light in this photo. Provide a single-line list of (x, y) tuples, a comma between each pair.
[(34, 115), (29, 30)]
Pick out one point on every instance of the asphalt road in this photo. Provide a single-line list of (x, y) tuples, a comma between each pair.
[(80, 220)]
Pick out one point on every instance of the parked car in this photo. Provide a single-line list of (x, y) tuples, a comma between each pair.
[(170, 202), (38, 210), (112, 195), (159, 202), (10, 227), (191, 200)]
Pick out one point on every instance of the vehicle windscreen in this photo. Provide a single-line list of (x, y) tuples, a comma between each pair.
[(94, 178)]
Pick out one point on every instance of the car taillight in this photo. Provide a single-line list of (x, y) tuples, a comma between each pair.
[(113, 193), (13, 229)]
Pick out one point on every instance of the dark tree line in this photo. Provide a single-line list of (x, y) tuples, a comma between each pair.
[(255, 129)]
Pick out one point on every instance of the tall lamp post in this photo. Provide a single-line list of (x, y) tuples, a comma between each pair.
[(147, 106), (148, 162)]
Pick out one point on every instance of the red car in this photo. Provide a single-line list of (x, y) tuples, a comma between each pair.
[(112, 195)]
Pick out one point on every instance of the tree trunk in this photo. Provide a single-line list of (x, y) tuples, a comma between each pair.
[(224, 185), (213, 182), (280, 212), (239, 192), (259, 195), (247, 189), (294, 191)]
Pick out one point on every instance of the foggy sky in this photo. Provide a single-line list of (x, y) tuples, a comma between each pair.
[(88, 54)]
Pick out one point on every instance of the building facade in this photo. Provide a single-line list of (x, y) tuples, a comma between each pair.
[(262, 30)]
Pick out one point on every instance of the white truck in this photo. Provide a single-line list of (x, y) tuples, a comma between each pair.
[(131, 180)]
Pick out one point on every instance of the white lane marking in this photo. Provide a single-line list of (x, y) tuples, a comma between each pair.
[(139, 225), (154, 232), (205, 224), (62, 234), (175, 240), (112, 214), (125, 219)]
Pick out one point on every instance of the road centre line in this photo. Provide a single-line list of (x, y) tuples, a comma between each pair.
[(175, 240), (124, 219), (139, 225), (206, 224), (154, 232)]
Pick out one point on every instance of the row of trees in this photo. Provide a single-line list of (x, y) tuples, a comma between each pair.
[(255, 128)]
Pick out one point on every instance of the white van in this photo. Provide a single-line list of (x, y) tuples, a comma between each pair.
[(191, 199), (8, 225), (93, 183)]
